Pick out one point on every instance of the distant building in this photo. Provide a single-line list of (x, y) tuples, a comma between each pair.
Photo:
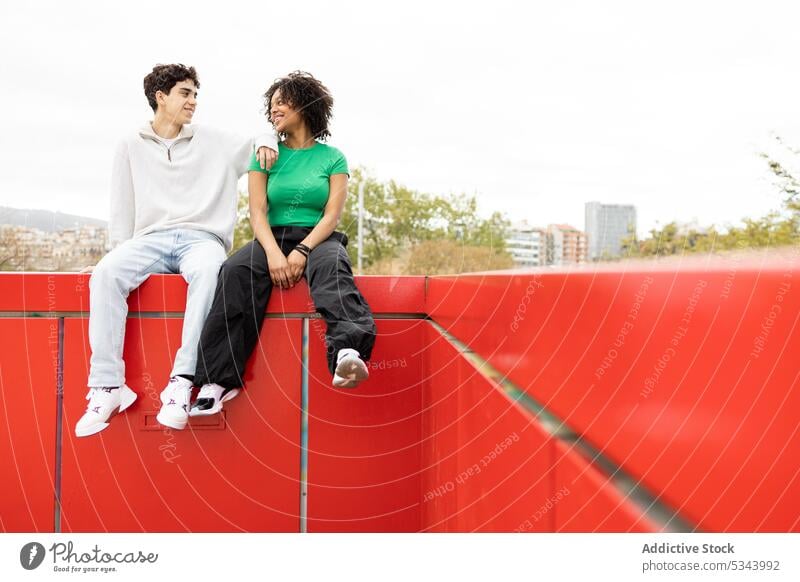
[(566, 245), (527, 245), (558, 244), (607, 225), (31, 249)]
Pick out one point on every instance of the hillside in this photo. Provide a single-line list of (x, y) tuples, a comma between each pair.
[(45, 219)]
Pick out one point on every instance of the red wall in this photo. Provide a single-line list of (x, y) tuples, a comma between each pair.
[(28, 396), (685, 375), (429, 443)]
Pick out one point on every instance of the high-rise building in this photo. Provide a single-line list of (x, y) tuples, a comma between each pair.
[(607, 225), (527, 245), (566, 245)]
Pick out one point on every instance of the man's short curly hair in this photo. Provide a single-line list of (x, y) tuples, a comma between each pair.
[(309, 96), (164, 77)]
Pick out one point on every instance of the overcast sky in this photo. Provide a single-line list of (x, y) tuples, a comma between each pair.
[(536, 110)]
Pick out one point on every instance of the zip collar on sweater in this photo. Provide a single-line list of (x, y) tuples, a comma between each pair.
[(146, 130), (187, 131)]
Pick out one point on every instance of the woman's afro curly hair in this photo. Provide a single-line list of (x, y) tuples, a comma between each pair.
[(307, 95)]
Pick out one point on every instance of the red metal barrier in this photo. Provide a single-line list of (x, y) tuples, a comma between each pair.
[(69, 292), (428, 443), (238, 471), (28, 360), (487, 464), (364, 444), (584, 500), (686, 375)]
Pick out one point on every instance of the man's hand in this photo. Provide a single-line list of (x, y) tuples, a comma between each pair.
[(297, 265), (279, 270), (88, 269), (266, 157)]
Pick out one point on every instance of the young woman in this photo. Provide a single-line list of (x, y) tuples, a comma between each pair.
[(294, 209)]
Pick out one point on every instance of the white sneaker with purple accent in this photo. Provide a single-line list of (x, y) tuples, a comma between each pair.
[(103, 403), (175, 399)]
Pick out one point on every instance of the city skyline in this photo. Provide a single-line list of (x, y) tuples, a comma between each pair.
[(553, 245), (67, 249)]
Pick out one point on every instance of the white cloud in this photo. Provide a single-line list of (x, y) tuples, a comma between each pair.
[(536, 109)]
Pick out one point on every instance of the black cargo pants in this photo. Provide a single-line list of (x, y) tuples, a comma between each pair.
[(230, 333)]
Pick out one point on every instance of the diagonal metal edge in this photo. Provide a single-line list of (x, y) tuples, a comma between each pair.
[(626, 485)]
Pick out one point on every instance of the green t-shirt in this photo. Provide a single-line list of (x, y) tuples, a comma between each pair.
[(299, 183)]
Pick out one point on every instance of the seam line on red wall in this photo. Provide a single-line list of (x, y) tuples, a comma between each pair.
[(304, 429), (179, 314), (59, 426)]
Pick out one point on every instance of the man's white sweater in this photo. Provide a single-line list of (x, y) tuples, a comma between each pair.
[(191, 184)]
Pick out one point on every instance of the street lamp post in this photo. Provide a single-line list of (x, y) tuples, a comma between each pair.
[(360, 244)]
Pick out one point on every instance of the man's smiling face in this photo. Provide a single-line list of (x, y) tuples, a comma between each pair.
[(181, 102)]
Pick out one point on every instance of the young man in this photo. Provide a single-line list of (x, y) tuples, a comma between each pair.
[(173, 210)]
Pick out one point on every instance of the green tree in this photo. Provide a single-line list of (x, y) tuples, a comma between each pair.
[(449, 257), (397, 219), (242, 232)]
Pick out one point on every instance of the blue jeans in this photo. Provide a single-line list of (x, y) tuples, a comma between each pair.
[(195, 254)]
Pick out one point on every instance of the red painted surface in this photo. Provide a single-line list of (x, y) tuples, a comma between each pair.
[(49, 292), (584, 500), (364, 444), (680, 376), (242, 476), (486, 462), (28, 366), (714, 433), (44, 292)]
